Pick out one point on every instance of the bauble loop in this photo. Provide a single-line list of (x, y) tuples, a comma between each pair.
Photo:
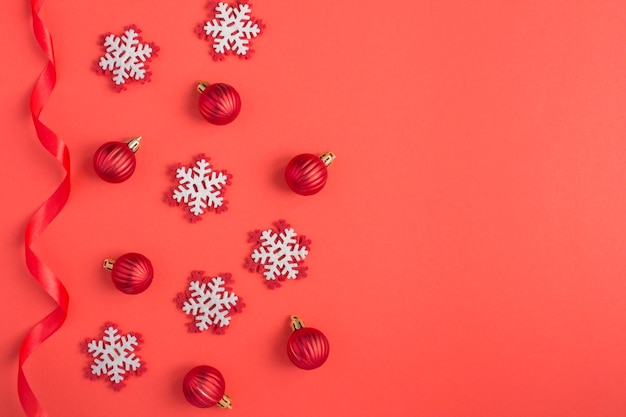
[(204, 387), (115, 162), (131, 273), (219, 103), (306, 174), (307, 348)]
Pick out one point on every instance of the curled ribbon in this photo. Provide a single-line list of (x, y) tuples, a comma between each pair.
[(41, 219)]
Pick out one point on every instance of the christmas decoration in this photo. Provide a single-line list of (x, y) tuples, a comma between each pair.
[(307, 348), (278, 254), (204, 387), (219, 103), (131, 273), (42, 217), (125, 57), (209, 301), (200, 188), (115, 161), (114, 356), (306, 174), (230, 28)]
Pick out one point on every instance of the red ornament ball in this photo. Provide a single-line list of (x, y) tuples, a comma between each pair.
[(219, 103), (204, 387), (115, 161), (131, 273), (306, 174), (307, 348)]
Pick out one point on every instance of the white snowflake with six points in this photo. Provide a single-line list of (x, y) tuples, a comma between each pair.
[(200, 188), (125, 57), (232, 28), (209, 301), (279, 254), (114, 355)]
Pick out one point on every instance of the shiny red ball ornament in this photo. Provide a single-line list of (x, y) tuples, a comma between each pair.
[(131, 273), (307, 348), (115, 161), (204, 387), (306, 174), (219, 103)]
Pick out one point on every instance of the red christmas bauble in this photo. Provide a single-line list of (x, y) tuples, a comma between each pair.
[(204, 387), (131, 273), (115, 161), (219, 103), (307, 348), (306, 174)]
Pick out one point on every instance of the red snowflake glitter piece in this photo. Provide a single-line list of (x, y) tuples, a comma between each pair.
[(114, 356), (125, 57), (230, 28), (209, 301), (278, 254), (199, 188)]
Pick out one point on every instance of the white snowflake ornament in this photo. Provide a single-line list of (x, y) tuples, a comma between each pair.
[(114, 356), (200, 188), (125, 57), (230, 28), (209, 301), (278, 254)]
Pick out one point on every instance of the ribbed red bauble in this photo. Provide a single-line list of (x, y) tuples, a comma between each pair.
[(131, 273), (219, 103), (307, 348), (115, 161), (306, 174), (204, 387)]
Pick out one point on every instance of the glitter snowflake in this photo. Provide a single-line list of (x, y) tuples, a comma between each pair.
[(125, 57), (278, 254), (200, 188), (210, 301), (114, 356), (231, 28)]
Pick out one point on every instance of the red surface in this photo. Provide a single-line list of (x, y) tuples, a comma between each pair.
[(469, 245)]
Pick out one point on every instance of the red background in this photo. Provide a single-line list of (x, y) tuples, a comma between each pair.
[(468, 250)]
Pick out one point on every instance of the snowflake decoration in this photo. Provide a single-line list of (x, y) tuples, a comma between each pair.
[(231, 28), (278, 254), (125, 57), (209, 301), (114, 356), (200, 188)]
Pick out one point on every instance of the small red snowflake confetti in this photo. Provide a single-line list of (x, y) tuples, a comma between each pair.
[(230, 28), (210, 302), (125, 57), (278, 254), (199, 187), (113, 356)]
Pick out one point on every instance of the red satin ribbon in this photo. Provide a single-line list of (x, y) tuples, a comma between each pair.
[(42, 218)]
